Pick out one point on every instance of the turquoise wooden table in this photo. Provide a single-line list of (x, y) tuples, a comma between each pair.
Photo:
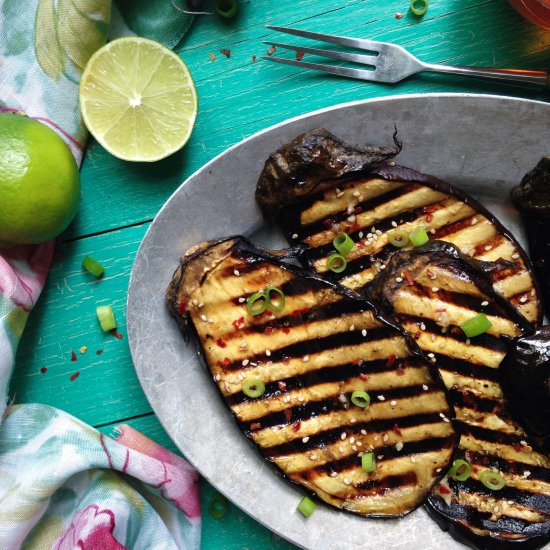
[(238, 95)]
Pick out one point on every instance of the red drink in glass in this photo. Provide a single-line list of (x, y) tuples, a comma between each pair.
[(536, 11)]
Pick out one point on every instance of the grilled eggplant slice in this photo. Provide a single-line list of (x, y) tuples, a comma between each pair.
[(372, 203), (431, 291), (311, 356), (532, 199)]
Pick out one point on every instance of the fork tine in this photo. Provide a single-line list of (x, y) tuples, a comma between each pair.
[(360, 74), (355, 57), (359, 43)]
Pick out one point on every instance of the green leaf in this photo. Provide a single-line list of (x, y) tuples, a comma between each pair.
[(48, 51)]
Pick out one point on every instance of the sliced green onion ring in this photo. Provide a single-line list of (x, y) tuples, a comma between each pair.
[(479, 324), (418, 236), (257, 303), (460, 470), (398, 238), (307, 507), (279, 303), (336, 262), (227, 8), (368, 462), (360, 398), (492, 480), (419, 7), (217, 506), (253, 387), (106, 317), (343, 243), (93, 267)]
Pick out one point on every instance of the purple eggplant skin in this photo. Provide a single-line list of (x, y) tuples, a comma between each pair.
[(526, 381), (532, 198)]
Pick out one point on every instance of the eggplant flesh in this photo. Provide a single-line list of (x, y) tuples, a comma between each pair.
[(311, 355), (374, 203), (526, 381), (431, 290), (532, 199)]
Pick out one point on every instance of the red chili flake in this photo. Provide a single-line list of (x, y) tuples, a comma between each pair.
[(398, 15), (211, 56), (286, 330), (253, 59), (400, 371), (409, 278), (517, 447), (428, 209), (360, 245), (357, 361), (226, 52), (364, 376), (43, 369), (475, 469), (73, 357), (238, 323), (226, 361), (57, 255), (443, 489), (299, 56), (99, 352), (286, 360), (221, 343), (441, 310), (268, 313), (429, 218), (271, 50), (255, 426), (288, 414), (391, 360), (328, 223), (296, 426), (282, 386), (298, 312), (396, 429), (182, 306), (74, 376), (417, 335), (117, 334), (268, 330), (357, 210)]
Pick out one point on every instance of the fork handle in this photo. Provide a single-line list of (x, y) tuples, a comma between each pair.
[(534, 78)]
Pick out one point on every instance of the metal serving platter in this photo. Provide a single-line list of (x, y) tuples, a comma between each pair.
[(482, 144)]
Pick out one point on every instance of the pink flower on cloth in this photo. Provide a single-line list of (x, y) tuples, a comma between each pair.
[(91, 529)]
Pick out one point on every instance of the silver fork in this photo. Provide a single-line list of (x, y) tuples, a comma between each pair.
[(389, 62)]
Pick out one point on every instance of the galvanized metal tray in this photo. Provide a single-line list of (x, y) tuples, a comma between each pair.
[(483, 144)]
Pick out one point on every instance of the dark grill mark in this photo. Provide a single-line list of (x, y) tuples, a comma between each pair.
[(454, 227), (465, 368), (468, 399), (491, 436), (386, 484)]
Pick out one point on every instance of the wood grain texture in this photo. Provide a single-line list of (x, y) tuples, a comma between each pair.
[(237, 97)]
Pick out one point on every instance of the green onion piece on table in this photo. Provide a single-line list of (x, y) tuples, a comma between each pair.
[(307, 506), (93, 267), (360, 398), (217, 506), (106, 317), (253, 387), (343, 243), (492, 480), (227, 8), (278, 301), (460, 470), (418, 236), (476, 325), (368, 462), (336, 262), (398, 238), (419, 7), (257, 303)]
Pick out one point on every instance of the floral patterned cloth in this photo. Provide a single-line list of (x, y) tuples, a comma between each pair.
[(63, 485)]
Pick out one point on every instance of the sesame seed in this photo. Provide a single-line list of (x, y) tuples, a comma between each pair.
[(380, 457), (203, 318), (306, 358), (523, 442), (242, 300), (245, 362), (354, 448), (394, 224), (333, 474), (424, 387), (527, 473), (378, 232), (381, 398), (360, 234), (194, 302), (432, 231), (217, 377), (445, 420), (210, 320), (422, 326), (347, 481), (236, 272), (468, 341), (383, 266), (485, 303), (413, 460), (340, 194), (441, 415), (515, 256), (267, 352), (352, 328), (488, 247), (343, 436), (376, 437), (341, 449), (243, 344), (431, 355), (352, 420), (356, 193), (399, 279), (364, 332), (305, 439), (286, 399), (495, 509), (435, 289), (338, 190), (441, 345), (295, 236), (393, 403), (359, 444), (399, 446), (342, 398), (474, 221), (301, 398), (438, 471), (351, 218), (352, 440), (364, 432), (385, 437), (523, 299), (432, 337), (313, 456)]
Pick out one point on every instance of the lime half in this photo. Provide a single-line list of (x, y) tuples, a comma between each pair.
[(138, 99)]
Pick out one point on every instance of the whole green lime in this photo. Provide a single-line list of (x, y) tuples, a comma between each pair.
[(39, 182)]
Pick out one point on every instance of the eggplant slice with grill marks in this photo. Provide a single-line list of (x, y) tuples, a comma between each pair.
[(325, 344), (370, 201), (431, 291)]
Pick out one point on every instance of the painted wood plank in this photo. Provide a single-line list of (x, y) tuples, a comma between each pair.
[(239, 97), (233, 532)]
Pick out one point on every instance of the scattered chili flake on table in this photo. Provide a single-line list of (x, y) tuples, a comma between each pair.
[(73, 356), (253, 59), (299, 56), (74, 376), (117, 334), (43, 369), (398, 15), (271, 50), (226, 52), (99, 352), (212, 56)]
